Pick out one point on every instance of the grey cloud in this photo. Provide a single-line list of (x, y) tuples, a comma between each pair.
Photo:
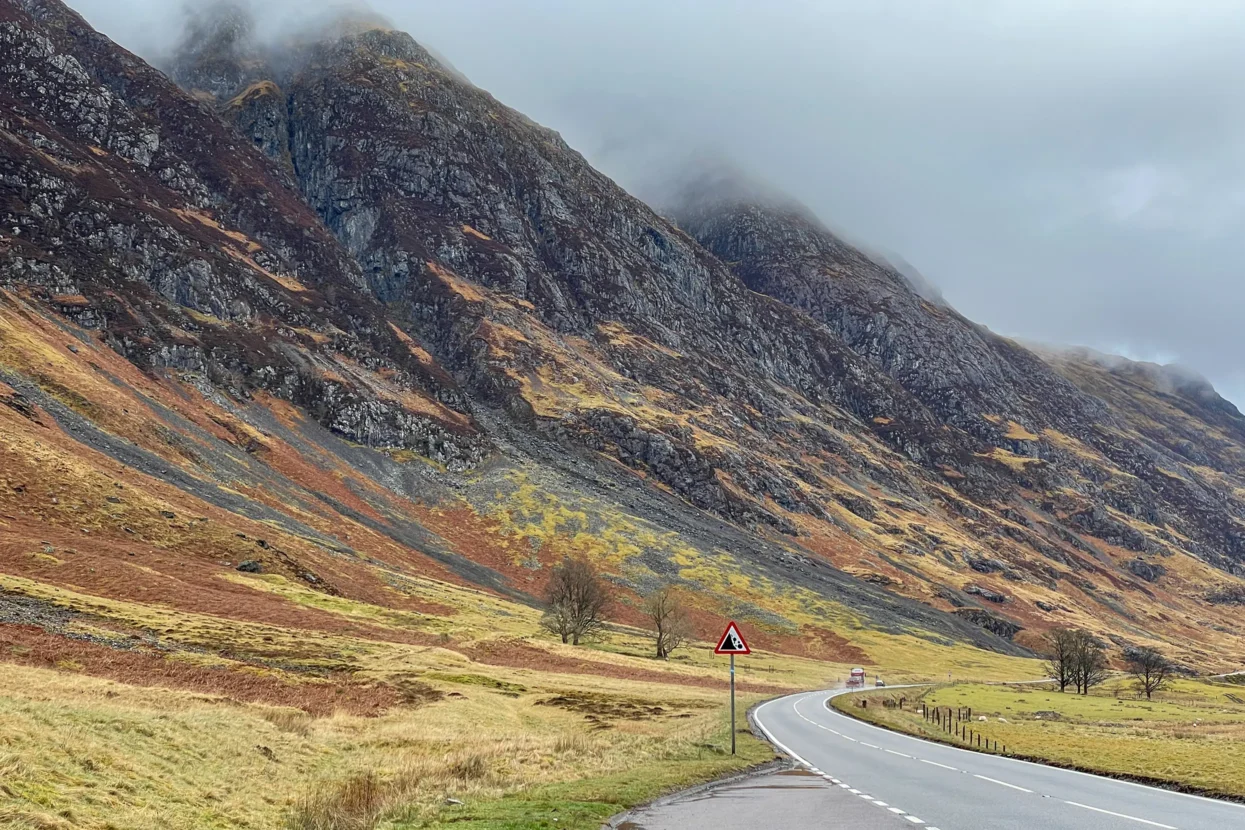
[(1064, 171)]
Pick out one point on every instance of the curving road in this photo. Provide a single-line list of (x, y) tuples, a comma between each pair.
[(943, 788)]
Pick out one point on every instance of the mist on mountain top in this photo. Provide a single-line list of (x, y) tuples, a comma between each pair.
[(1062, 173)]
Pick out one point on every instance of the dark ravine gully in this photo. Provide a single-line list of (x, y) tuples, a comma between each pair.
[(348, 248)]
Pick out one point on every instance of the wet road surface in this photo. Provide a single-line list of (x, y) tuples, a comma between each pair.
[(957, 789), (777, 801)]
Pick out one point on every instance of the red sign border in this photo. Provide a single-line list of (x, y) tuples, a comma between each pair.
[(739, 634)]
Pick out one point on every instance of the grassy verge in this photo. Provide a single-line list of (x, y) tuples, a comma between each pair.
[(586, 803), (1188, 737)]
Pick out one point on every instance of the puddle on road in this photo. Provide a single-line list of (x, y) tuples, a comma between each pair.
[(791, 779), (805, 780)]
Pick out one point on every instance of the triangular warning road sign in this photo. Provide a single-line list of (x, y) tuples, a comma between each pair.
[(732, 642)]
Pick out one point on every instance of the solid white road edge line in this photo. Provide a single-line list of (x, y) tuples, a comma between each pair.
[(770, 736), (1121, 815)]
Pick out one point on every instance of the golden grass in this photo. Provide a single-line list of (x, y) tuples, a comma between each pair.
[(84, 752), (79, 751), (1016, 432), (1016, 462)]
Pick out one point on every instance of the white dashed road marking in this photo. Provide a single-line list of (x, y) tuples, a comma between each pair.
[(878, 802), (1121, 815), (1002, 783)]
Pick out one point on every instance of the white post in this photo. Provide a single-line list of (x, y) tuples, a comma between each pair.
[(732, 704)]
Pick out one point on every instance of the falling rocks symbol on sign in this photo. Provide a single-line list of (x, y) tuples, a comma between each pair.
[(732, 642)]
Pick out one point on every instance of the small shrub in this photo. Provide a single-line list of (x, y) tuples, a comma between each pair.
[(355, 804), (469, 768), (294, 721), (572, 743)]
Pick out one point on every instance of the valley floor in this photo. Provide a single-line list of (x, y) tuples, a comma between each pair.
[(136, 715)]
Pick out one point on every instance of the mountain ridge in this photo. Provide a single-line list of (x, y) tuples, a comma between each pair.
[(426, 304)]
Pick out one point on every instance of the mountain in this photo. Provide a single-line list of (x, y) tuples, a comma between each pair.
[(1111, 447), (330, 310)]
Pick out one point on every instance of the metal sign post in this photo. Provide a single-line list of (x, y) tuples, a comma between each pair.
[(732, 642), (732, 704)]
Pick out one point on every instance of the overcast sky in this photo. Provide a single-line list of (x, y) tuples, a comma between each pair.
[(1068, 172)]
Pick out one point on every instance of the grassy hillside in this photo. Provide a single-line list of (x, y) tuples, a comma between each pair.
[(388, 655)]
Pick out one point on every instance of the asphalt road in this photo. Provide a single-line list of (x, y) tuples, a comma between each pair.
[(943, 788), (791, 799)]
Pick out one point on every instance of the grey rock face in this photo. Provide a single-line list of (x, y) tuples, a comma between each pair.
[(957, 368), (1007, 629), (1057, 421), (986, 594), (1149, 571), (138, 213)]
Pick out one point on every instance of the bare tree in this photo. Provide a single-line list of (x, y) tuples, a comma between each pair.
[(670, 624), (1090, 660), (578, 599), (1061, 656), (1150, 669)]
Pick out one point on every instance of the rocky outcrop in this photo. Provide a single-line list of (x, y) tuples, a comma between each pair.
[(1227, 595), (993, 623), (1149, 571), (960, 370), (137, 213), (985, 593)]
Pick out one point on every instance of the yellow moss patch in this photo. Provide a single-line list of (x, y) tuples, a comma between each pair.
[(1015, 462), (457, 284), (1015, 432)]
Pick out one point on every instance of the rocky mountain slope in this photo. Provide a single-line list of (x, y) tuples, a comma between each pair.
[(335, 299)]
